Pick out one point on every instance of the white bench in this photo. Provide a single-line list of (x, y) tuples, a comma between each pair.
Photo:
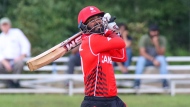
[(28, 81), (179, 90), (55, 67), (34, 83)]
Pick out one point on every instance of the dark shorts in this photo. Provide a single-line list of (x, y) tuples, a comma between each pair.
[(102, 102)]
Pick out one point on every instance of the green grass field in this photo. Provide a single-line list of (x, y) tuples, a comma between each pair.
[(58, 100)]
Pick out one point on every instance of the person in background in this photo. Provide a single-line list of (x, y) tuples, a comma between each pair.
[(123, 29), (14, 47), (152, 48)]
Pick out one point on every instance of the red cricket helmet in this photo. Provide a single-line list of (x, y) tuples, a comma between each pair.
[(88, 12)]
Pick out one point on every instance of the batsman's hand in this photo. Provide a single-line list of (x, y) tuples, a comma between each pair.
[(109, 22), (113, 26)]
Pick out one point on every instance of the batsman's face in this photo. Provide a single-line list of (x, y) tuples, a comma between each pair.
[(95, 25)]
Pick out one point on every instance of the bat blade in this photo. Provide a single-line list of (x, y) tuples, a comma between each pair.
[(54, 53), (39, 62)]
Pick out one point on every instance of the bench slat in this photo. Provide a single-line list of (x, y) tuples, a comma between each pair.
[(64, 68), (80, 76), (134, 59)]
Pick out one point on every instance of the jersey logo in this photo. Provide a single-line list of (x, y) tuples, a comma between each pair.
[(108, 38), (106, 59)]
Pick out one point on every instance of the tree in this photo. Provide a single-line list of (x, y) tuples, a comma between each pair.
[(48, 22)]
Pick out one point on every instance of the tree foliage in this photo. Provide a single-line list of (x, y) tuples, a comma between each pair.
[(48, 22)]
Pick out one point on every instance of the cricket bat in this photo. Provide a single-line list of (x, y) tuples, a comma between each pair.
[(54, 53)]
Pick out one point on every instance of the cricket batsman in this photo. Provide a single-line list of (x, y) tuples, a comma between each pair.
[(100, 46)]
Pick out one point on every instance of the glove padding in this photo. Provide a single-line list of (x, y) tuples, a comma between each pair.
[(106, 18), (108, 21), (113, 26)]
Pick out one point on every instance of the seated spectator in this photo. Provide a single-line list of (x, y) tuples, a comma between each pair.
[(123, 29), (152, 48), (74, 60), (14, 47)]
